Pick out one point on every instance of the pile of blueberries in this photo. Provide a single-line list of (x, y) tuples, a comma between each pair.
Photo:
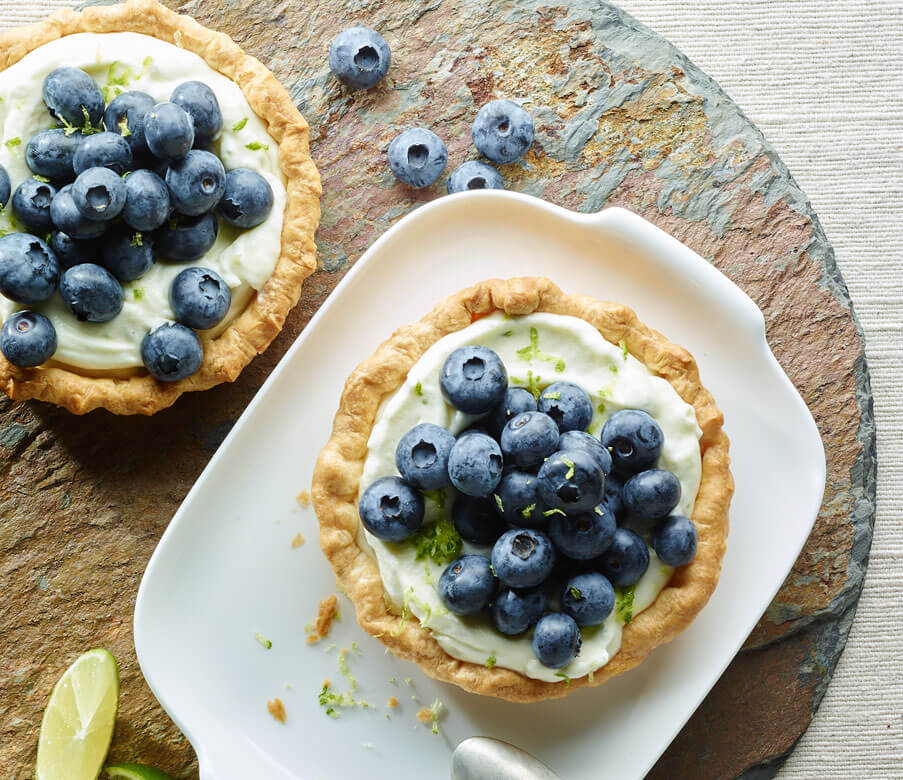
[(114, 188), (559, 508), (502, 131)]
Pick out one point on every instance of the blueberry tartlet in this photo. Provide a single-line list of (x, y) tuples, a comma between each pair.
[(526, 491), (158, 206)]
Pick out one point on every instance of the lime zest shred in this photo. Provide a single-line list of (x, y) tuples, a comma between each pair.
[(601, 408), (575, 592), (123, 125), (553, 396), (331, 701), (533, 384), (498, 502), (264, 642), (256, 146), (508, 333), (590, 675), (346, 672), (138, 293), (136, 240), (418, 388), (564, 677), (550, 512), (42, 179), (435, 711), (239, 125), (570, 464), (491, 661), (438, 496), (624, 603), (598, 511), (613, 368), (533, 352), (12, 142), (624, 351), (527, 511), (355, 649), (438, 541)]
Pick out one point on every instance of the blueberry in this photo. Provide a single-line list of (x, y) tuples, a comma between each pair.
[(473, 379), (91, 293), (147, 204), (476, 520), (27, 339), (390, 509), (614, 487), (634, 440), (523, 558), (422, 456), (556, 640), (516, 401), (73, 97), (200, 298), (247, 199), (31, 204), (674, 541), (5, 187), (519, 503), (581, 440), (199, 101), (502, 131), (474, 175), (171, 352), (99, 194), (417, 157), (626, 560), (70, 251), (589, 598), (514, 611), (528, 438), (125, 115), (583, 536), (570, 481), (186, 239), (475, 464), (196, 182), (29, 270), (359, 57), (467, 585), (69, 219), (651, 494), (50, 153), (169, 131), (127, 255), (103, 150), (568, 405)]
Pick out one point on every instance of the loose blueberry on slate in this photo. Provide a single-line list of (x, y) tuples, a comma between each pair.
[(169, 131), (583, 536), (391, 510), (359, 57), (417, 157), (568, 405), (570, 481), (581, 440), (171, 352), (70, 251), (634, 440), (528, 438), (125, 115), (91, 293), (50, 153), (516, 401), (518, 502), (502, 131), (103, 150), (247, 199), (467, 585), (99, 194), (5, 187), (200, 103), (614, 486), (196, 182), (31, 204), (473, 379), (674, 541), (199, 297), (126, 254), (556, 640), (147, 204), (69, 94), (589, 598), (29, 271), (186, 239), (27, 339), (523, 558), (69, 219), (626, 560), (651, 494), (476, 521), (422, 456), (475, 464), (514, 611), (474, 175)]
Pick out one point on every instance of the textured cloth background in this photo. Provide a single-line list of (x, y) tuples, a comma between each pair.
[(823, 80)]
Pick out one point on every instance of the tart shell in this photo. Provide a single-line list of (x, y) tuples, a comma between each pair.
[(252, 331), (336, 485)]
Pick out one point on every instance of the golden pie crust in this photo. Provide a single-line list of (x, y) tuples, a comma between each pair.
[(252, 331), (340, 464)]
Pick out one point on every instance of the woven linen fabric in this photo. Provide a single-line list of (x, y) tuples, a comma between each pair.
[(823, 80)]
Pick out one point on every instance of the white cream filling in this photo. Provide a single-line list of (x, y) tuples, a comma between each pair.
[(614, 382), (130, 61)]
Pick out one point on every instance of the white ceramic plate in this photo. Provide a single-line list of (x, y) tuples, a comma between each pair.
[(225, 567)]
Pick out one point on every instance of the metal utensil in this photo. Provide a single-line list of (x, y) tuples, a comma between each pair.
[(484, 758)]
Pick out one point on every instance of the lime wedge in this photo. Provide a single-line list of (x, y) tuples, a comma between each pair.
[(78, 722), (136, 772)]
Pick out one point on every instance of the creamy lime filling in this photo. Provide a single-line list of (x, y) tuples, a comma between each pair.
[(537, 350), (129, 61)]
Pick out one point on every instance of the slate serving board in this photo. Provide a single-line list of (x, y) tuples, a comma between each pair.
[(622, 118)]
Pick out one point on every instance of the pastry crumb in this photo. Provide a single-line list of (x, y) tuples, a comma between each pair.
[(298, 541), (424, 715), (303, 498), (277, 709), (393, 702), (327, 611)]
